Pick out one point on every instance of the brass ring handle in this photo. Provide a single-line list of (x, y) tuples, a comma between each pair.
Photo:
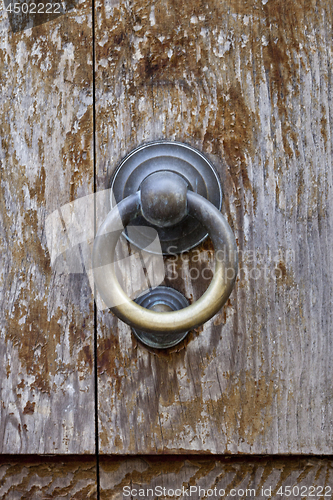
[(139, 204)]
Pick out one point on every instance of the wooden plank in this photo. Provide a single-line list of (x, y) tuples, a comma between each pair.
[(46, 161), (23, 478), (249, 84), (199, 478)]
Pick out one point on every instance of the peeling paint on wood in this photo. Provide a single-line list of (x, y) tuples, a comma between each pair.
[(33, 478), (74, 478), (231, 475), (46, 316), (249, 84)]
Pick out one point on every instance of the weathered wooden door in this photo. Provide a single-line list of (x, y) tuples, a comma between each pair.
[(248, 84)]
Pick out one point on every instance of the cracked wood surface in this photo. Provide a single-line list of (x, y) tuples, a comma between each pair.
[(249, 84), (46, 337)]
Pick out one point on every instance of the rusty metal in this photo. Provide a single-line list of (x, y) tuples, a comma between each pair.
[(171, 191)]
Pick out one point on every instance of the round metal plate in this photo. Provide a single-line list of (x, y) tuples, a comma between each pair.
[(186, 161), (170, 299)]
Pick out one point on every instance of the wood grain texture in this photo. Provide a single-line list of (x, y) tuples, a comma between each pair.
[(46, 313), (33, 478), (249, 84), (256, 478)]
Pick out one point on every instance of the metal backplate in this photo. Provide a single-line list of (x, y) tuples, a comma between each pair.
[(161, 299), (186, 161)]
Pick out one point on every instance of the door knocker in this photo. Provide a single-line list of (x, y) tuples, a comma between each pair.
[(175, 189)]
